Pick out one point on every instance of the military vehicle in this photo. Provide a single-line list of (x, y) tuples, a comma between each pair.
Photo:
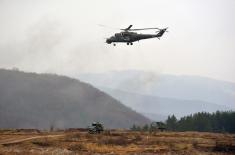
[(95, 128), (128, 37), (156, 126)]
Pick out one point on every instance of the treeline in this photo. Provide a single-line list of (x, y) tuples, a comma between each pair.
[(160, 126), (202, 122), (146, 127)]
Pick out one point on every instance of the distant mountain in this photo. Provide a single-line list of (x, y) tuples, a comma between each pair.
[(29, 100), (155, 117), (158, 108), (157, 95), (169, 86)]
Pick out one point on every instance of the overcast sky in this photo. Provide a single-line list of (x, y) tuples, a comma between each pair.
[(63, 37)]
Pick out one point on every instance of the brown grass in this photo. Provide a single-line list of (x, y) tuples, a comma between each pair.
[(121, 143), (42, 142)]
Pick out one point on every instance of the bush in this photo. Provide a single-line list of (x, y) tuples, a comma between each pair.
[(114, 141), (76, 147), (42, 142), (223, 147)]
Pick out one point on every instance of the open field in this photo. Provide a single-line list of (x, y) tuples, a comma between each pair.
[(114, 142)]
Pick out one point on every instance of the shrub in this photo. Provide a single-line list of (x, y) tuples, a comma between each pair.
[(76, 147), (42, 142)]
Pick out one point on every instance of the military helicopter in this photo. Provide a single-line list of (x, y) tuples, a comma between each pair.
[(128, 37)]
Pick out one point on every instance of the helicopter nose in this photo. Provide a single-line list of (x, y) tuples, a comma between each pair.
[(108, 41), (165, 30)]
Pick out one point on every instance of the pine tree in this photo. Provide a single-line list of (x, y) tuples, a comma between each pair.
[(171, 123)]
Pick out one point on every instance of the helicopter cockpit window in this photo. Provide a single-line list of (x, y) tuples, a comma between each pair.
[(117, 34), (124, 34)]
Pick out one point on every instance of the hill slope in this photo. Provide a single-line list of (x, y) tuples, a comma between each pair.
[(164, 85), (29, 100), (158, 108), (158, 95)]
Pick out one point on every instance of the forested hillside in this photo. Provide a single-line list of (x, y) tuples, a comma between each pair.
[(29, 100), (203, 121)]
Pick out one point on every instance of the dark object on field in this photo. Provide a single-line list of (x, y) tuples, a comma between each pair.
[(224, 147), (76, 130), (28, 130), (155, 126), (95, 127)]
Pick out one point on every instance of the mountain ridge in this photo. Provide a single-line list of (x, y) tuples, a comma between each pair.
[(165, 85), (30, 100), (173, 94), (163, 106)]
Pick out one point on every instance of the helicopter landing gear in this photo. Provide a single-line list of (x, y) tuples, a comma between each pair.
[(114, 44), (129, 43)]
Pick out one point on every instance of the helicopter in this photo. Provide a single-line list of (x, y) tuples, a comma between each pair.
[(128, 37)]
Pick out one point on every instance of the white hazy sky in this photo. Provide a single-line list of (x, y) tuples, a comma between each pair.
[(64, 37)]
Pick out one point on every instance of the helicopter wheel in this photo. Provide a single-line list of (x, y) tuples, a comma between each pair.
[(127, 43), (131, 43), (114, 44)]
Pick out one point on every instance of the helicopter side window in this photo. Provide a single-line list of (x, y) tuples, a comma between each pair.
[(123, 34), (118, 34)]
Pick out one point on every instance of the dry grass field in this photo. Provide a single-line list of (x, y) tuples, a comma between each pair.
[(118, 142)]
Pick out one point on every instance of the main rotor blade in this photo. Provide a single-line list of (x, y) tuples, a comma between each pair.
[(127, 29), (144, 29), (109, 27)]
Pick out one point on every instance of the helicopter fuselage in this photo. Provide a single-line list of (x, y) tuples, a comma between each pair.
[(129, 37)]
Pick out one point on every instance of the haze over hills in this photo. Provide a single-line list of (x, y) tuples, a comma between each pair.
[(163, 94), (158, 108), (29, 100)]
